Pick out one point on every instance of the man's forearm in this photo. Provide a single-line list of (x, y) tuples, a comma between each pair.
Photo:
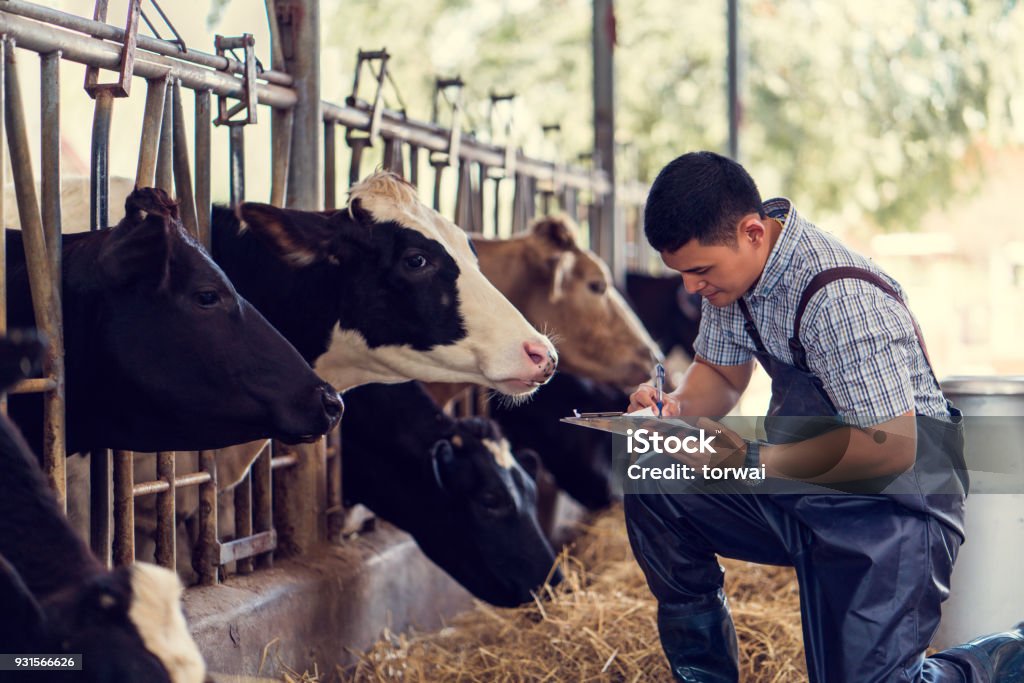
[(846, 454), (706, 392)]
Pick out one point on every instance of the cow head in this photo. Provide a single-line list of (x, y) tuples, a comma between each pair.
[(411, 300), (183, 361), (127, 625), (567, 291), (501, 554)]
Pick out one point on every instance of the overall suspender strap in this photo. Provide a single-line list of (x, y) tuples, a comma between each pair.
[(826, 277), (751, 327)]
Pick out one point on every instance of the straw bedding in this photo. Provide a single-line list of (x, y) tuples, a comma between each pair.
[(598, 625)]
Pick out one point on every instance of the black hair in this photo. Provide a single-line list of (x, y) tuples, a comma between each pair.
[(702, 196)]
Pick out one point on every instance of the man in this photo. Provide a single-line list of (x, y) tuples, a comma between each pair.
[(864, 454)]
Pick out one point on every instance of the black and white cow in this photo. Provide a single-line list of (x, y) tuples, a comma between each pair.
[(453, 484), (385, 290), (57, 598), (161, 352), (668, 311), (579, 459)]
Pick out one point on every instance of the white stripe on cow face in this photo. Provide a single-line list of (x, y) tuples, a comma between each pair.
[(501, 452), (156, 613), (498, 343)]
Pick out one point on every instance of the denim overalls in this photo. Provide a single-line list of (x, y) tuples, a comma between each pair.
[(873, 568)]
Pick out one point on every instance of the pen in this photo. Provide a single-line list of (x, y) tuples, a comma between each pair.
[(659, 384)]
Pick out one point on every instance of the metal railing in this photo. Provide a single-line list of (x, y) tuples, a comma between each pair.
[(273, 509)]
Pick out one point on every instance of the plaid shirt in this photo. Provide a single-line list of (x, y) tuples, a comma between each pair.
[(860, 342)]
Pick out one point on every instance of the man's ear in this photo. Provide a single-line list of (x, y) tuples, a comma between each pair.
[(753, 228), (138, 251)]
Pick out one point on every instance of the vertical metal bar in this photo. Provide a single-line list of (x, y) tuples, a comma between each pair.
[(165, 516), (243, 518), (280, 154), (124, 508), (99, 176), (182, 166), (463, 198), (300, 494), (44, 299), (733, 82), (611, 245), (262, 502), (330, 165), (236, 154), (438, 176), (100, 500), (3, 206), (152, 123), (202, 133), (207, 556), (414, 165), (393, 160), (478, 198), (357, 145), (304, 65), (335, 517), (53, 411), (165, 159)]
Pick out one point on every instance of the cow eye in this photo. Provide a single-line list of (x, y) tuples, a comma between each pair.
[(598, 286), (415, 261), (207, 298)]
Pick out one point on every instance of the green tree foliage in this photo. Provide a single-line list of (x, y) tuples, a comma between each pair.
[(873, 109)]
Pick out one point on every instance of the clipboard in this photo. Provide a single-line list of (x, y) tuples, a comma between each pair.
[(621, 423)]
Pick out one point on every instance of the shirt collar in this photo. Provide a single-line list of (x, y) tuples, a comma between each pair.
[(782, 253)]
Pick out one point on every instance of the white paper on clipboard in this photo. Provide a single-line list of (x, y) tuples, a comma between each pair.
[(640, 419)]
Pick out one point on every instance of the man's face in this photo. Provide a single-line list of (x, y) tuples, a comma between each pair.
[(722, 273)]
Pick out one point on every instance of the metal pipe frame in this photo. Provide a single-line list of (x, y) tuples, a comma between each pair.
[(165, 516), (182, 166), (164, 162), (152, 122), (166, 48)]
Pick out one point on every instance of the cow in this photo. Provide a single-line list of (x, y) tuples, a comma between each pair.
[(453, 484), (567, 290), (385, 290), (127, 623), (161, 353), (670, 312), (580, 460)]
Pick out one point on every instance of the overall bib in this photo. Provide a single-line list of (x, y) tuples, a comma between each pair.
[(872, 569)]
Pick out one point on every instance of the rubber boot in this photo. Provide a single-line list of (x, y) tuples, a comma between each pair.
[(999, 656), (699, 640)]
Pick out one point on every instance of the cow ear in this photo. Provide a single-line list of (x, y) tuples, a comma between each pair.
[(561, 274), (557, 231), (442, 463), (23, 623), (529, 461), (300, 238), (138, 250), (20, 353)]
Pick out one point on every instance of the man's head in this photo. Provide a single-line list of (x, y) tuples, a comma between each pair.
[(704, 216)]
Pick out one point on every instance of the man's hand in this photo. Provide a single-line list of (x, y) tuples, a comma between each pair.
[(646, 396)]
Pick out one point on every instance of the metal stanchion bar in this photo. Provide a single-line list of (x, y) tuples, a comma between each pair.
[(243, 519), (165, 516), (164, 161), (148, 488), (182, 166), (280, 154), (124, 508), (330, 166), (262, 503), (162, 47), (357, 145), (152, 122), (41, 38), (41, 278), (207, 556), (202, 132), (236, 153)]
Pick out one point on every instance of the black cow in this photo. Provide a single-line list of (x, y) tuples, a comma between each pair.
[(161, 352), (667, 310), (57, 598), (453, 484), (579, 459), (385, 290)]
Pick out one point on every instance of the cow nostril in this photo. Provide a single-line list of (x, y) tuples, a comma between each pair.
[(333, 405), (536, 352)]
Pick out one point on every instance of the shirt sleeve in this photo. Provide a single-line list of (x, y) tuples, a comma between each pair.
[(714, 344), (862, 346)]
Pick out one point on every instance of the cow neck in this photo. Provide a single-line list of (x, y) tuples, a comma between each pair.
[(302, 303), (34, 537)]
